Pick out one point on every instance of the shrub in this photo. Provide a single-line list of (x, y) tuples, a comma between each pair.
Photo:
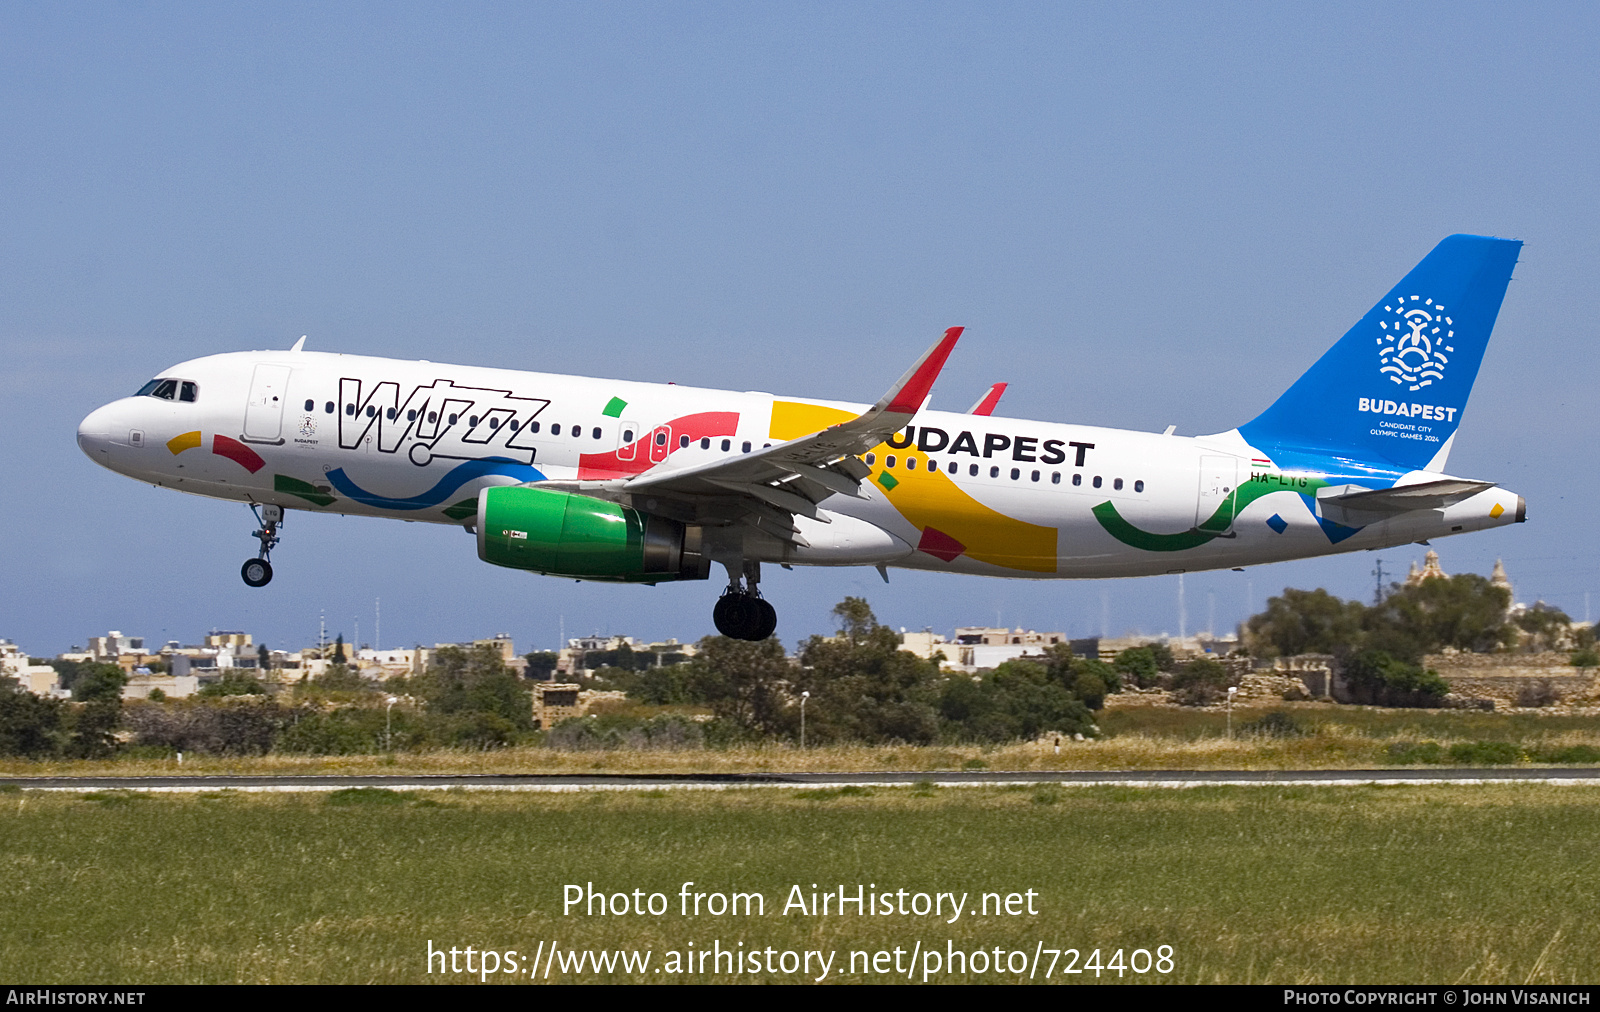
[(1409, 753), (1201, 682), (1541, 693), (664, 732), (1485, 753), (1276, 724), (1574, 754), (1377, 678), (245, 725), (367, 796)]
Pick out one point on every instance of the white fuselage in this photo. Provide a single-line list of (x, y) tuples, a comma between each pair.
[(1001, 496)]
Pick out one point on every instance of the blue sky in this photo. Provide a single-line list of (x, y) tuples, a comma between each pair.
[(1144, 214)]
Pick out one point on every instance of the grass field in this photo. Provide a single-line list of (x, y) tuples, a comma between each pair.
[(1136, 737), (1333, 884)]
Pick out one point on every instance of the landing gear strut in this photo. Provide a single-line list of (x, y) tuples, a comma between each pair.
[(257, 572), (741, 612)]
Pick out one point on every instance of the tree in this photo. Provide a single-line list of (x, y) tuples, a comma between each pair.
[(1465, 611), (342, 678), (1137, 665), (263, 658), (30, 726), (744, 683), (541, 665), (863, 686), (474, 680), (234, 682), (99, 693), (338, 649), (1305, 622), (1201, 682), (1019, 699), (1376, 677), (1543, 627), (855, 619)]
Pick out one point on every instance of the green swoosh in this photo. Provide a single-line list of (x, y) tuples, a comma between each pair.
[(1214, 526)]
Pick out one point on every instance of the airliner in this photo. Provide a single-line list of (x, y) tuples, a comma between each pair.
[(597, 479)]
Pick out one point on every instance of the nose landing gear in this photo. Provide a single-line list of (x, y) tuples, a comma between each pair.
[(741, 612), (257, 572)]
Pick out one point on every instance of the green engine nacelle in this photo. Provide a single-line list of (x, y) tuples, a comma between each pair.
[(564, 534)]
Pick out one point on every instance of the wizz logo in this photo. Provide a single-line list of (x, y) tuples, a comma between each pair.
[(1414, 348), (438, 420)]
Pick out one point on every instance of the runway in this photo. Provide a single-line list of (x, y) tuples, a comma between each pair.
[(733, 781)]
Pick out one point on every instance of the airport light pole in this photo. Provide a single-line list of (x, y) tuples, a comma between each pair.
[(803, 697), (1233, 690), (388, 736)]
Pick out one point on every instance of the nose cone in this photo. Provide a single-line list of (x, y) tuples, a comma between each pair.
[(94, 434)]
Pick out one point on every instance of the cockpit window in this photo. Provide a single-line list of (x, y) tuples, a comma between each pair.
[(166, 389), (170, 390)]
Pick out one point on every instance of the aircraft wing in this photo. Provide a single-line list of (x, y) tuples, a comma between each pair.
[(990, 399), (768, 487)]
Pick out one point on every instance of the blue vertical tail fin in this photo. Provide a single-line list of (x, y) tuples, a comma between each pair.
[(1392, 390)]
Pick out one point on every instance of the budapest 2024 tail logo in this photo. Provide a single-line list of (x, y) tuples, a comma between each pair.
[(1415, 348)]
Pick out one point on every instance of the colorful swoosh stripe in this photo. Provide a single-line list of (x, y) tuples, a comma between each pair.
[(635, 457), (1221, 521), (446, 486), (224, 446)]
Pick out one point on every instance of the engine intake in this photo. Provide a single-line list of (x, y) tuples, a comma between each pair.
[(566, 534)]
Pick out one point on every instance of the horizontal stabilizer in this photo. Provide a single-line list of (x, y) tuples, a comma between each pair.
[(1364, 506)]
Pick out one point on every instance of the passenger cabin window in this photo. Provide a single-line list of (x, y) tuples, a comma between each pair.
[(661, 439), (1138, 486), (746, 447), (596, 432), (705, 444), (683, 441), (1117, 484), (727, 444), (311, 405), (1097, 481), (188, 392), (555, 430), (327, 408)]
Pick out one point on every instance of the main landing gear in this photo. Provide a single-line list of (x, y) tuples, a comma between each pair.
[(741, 612), (257, 572)]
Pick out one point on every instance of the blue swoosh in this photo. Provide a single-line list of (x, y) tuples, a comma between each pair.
[(457, 476)]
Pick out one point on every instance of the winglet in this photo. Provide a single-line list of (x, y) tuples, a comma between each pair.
[(300, 344), (907, 396), (987, 403)]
